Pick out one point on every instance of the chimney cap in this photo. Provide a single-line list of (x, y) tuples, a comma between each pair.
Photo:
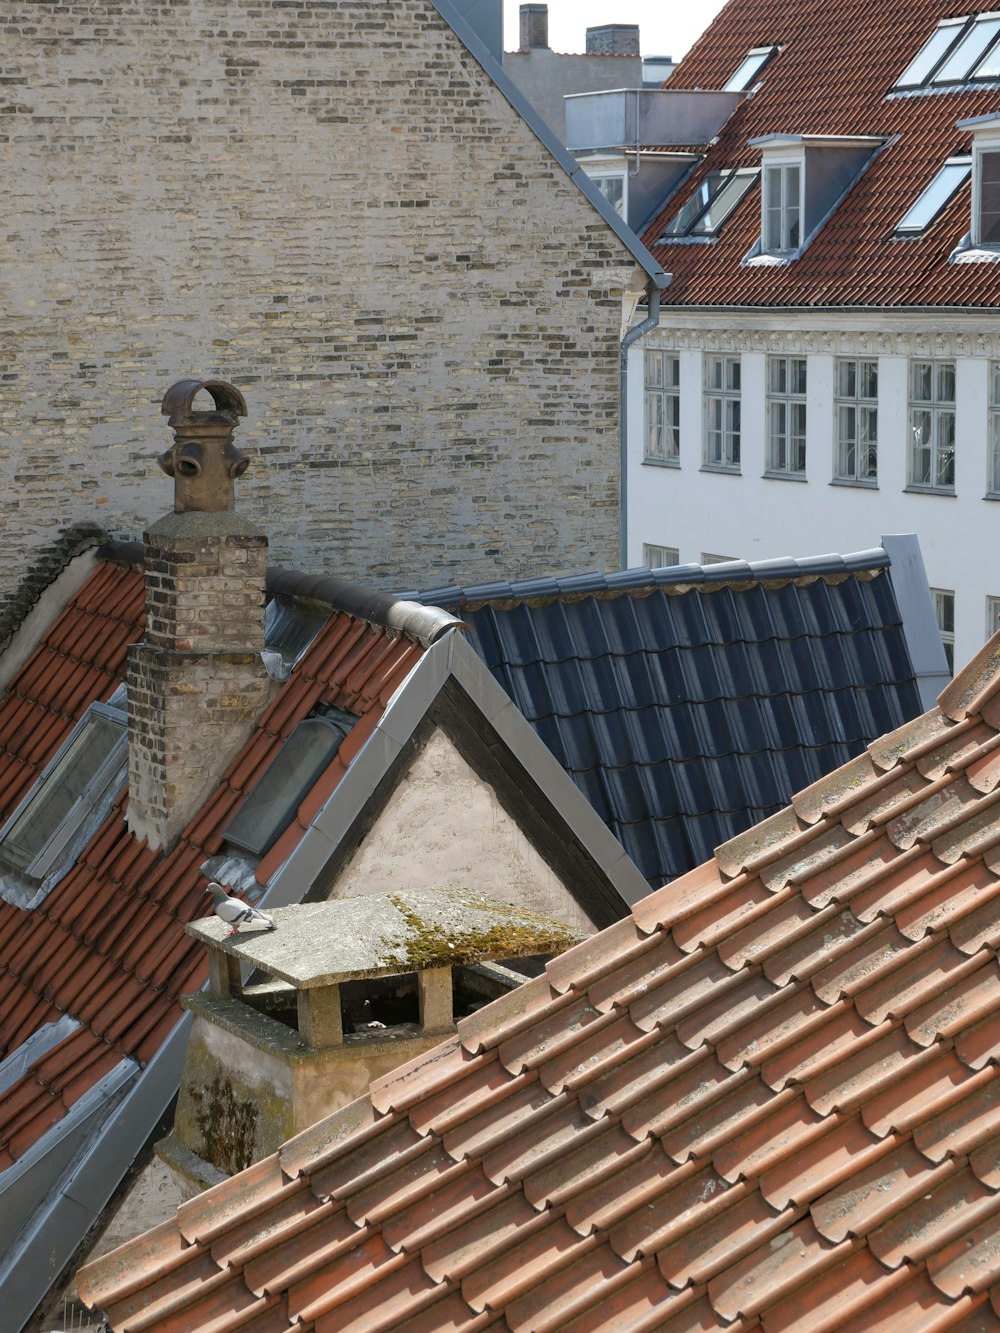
[(176, 405)]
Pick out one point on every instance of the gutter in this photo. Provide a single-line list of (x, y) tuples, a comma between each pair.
[(632, 336)]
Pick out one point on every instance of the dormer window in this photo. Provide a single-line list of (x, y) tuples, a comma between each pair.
[(934, 197), (783, 208), (746, 72), (958, 51), (711, 204), (985, 230), (804, 177)]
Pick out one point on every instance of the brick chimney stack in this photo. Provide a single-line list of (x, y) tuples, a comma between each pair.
[(197, 683), (534, 27), (613, 39)]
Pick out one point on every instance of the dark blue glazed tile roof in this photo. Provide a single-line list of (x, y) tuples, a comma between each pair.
[(690, 703)]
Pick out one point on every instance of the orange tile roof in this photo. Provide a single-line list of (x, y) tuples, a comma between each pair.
[(832, 75), (768, 1098), (107, 945)]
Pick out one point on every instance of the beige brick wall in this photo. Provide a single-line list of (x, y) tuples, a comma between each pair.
[(331, 206)]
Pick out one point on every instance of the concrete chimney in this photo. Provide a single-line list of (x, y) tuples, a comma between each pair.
[(613, 39), (197, 683), (534, 27)]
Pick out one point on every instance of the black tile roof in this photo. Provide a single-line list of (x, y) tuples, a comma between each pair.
[(689, 703)]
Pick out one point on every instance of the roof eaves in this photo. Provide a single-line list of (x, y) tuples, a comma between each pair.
[(480, 52)]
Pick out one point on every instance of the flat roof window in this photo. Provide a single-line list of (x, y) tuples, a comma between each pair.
[(290, 776), (957, 51), (711, 204), (937, 194), (82, 778), (744, 75), (967, 53)]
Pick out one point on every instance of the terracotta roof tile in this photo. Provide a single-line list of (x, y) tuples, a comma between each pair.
[(768, 1099), (107, 945)]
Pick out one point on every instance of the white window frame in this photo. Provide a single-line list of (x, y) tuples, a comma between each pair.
[(916, 220), (662, 408), (993, 410), (660, 557), (750, 66), (932, 429), (786, 418), (776, 173), (604, 168), (984, 147), (992, 616), (855, 422), (944, 611), (722, 407), (708, 559)]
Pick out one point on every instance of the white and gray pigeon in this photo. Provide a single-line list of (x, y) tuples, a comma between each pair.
[(236, 913)]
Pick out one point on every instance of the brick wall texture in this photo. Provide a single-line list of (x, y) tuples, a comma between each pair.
[(331, 206)]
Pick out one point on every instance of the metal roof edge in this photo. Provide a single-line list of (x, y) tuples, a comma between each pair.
[(420, 621), (624, 581), (36, 1260), (505, 84), (916, 609), (450, 658)]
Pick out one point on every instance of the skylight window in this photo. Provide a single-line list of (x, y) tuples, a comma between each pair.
[(711, 204), (80, 781), (958, 51), (743, 76), (271, 806), (926, 208)]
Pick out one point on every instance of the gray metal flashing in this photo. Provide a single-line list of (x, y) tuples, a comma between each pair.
[(44, 1039), (418, 621), (451, 659), (679, 577), (494, 70), (57, 1222), (916, 608)]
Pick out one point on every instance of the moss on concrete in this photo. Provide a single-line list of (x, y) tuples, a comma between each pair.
[(517, 934)]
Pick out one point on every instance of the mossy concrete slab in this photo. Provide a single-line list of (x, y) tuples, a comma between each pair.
[(317, 944)]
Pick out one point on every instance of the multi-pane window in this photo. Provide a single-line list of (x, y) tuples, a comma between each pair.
[(944, 609), (994, 410), (708, 559), (782, 208), (612, 186), (932, 424), (712, 201), (722, 412), (856, 420), (660, 557), (959, 50), (987, 220), (992, 616), (786, 415), (663, 408)]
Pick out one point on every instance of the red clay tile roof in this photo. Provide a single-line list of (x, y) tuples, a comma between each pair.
[(836, 65), (107, 945), (768, 1098)]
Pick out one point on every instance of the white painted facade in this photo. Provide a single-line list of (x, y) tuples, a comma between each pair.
[(753, 516)]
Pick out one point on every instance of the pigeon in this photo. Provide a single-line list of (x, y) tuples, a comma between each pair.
[(234, 912)]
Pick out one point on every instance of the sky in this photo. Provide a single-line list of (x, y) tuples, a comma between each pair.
[(665, 29)]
